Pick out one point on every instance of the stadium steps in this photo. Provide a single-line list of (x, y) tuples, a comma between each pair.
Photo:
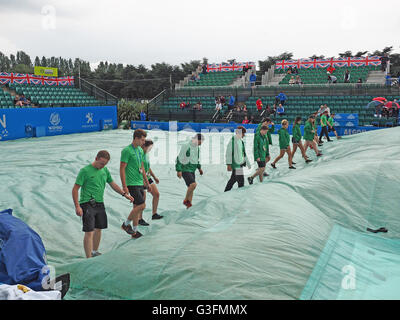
[(376, 76)]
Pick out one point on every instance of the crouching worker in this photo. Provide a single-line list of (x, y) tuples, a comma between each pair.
[(92, 181)]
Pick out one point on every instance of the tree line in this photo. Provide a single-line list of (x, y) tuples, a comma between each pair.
[(138, 82)]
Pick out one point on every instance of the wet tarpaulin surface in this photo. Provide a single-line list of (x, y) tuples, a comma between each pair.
[(262, 241)]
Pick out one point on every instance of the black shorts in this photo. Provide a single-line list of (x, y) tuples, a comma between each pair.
[(189, 177), (331, 129), (137, 192), (93, 217), (294, 141), (261, 164)]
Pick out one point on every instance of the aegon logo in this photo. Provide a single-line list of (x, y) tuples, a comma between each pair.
[(55, 119), (3, 121)]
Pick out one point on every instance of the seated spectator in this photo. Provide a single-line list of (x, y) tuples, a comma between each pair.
[(193, 77), (298, 80), (332, 79), (292, 81), (259, 105), (347, 76), (290, 70), (330, 70), (395, 108), (244, 109), (281, 110), (274, 108), (198, 106), (268, 110), (17, 102), (24, 100), (359, 83), (379, 109), (245, 121), (197, 77), (294, 70), (253, 79), (237, 109), (245, 69), (183, 105)]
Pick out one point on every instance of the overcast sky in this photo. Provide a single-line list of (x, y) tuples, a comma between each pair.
[(175, 31)]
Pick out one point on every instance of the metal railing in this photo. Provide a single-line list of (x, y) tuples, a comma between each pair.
[(98, 93)]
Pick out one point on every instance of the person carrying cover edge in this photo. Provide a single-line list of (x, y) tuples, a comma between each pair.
[(187, 162), (133, 178), (236, 158), (92, 180)]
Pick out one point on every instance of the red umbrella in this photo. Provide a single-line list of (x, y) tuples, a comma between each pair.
[(394, 104), (379, 99)]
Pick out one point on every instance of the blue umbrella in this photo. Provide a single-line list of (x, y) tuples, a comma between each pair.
[(374, 104)]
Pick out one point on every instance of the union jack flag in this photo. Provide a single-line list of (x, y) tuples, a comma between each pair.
[(336, 62), (32, 79)]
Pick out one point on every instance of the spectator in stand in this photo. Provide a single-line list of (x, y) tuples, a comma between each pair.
[(245, 120), (253, 79), (388, 81), (252, 120), (223, 100), (330, 69), (322, 109), (384, 61), (298, 80), (197, 78), (259, 105), (292, 81), (359, 83), (193, 77), (198, 106), (290, 70), (142, 116), (17, 102), (231, 103), (268, 110), (204, 68), (347, 76), (274, 108), (244, 109), (24, 101), (245, 69), (332, 79), (183, 105), (280, 98), (218, 106), (294, 70), (281, 110)]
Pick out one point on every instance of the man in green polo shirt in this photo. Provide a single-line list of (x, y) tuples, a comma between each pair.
[(92, 180), (134, 178), (324, 127)]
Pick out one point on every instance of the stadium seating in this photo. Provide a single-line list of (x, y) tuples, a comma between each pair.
[(51, 96), (6, 100), (305, 105), (319, 75), (215, 79)]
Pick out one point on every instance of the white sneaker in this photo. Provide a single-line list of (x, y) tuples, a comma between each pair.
[(96, 254)]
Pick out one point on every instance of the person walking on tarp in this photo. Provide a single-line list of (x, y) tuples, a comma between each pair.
[(284, 145), (187, 162), (324, 127), (236, 158), (134, 179), (148, 145), (296, 140), (331, 127), (92, 181), (261, 151), (309, 135)]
